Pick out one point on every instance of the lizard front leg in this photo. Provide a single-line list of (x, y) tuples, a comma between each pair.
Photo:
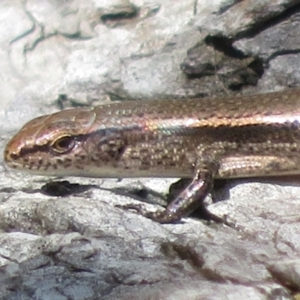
[(191, 197)]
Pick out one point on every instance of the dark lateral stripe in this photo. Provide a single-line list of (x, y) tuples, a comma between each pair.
[(34, 149), (46, 148)]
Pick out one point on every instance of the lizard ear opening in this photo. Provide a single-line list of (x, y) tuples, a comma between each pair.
[(63, 144)]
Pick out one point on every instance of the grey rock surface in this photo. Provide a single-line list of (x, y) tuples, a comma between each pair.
[(59, 54)]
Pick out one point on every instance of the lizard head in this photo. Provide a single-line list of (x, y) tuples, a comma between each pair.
[(52, 144)]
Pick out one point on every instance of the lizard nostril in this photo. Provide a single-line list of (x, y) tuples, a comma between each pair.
[(13, 156)]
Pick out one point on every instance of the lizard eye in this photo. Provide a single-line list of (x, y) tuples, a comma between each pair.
[(63, 144)]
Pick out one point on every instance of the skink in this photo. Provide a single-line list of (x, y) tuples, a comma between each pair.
[(201, 139)]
